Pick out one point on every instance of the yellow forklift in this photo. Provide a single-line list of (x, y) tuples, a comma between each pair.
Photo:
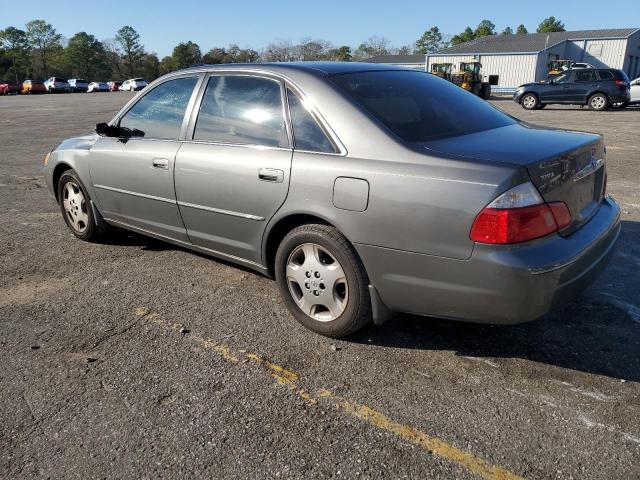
[(556, 67), (470, 79), (442, 70)]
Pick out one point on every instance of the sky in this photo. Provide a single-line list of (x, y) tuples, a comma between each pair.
[(252, 24)]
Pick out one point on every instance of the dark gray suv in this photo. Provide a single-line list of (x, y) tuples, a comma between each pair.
[(598, 88)]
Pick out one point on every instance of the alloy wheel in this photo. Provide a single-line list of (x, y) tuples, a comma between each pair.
[(317, 282), (75, 207), (529, 101), (598, 102)]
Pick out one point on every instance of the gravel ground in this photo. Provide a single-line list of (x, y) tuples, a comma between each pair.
[(136, 358)]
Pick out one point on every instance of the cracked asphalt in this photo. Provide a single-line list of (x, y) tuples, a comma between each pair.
[(137, 359)]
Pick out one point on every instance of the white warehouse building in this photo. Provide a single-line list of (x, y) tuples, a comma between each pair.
[(511, 60)]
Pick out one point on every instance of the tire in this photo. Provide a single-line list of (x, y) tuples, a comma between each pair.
[(485, 92), (529, 101), (598, 102), (75, 205), (310, 256)]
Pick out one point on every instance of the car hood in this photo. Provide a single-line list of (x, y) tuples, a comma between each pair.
[(518, 144)]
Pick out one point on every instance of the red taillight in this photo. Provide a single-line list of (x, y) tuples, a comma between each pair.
[(621, 83), (513, 225)]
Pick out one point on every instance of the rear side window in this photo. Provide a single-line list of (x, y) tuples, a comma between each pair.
[(605, 75), (160, 112), (419, 107), (586, 76), (307, 134), (242, 110)]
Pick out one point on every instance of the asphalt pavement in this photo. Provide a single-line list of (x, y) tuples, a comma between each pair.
[(137, 359)]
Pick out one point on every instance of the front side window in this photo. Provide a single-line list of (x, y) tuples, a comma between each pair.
[(242, 110), (418, 106), (159, 114), (564, 78), (307, 134)]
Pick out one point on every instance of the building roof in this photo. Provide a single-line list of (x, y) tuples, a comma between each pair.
[(531, 42), (402, 59)]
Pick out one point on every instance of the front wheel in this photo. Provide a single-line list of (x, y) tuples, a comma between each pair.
[(75, 205), (529, 101), (599, 102), (322, 281)]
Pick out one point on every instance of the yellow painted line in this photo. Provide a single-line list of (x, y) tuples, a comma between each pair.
[(432, 444), (290, 379)]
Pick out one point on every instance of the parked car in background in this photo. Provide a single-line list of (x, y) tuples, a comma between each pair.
[(78, 85), (7, 87), (133, 84), (97, 87), (33, 86), (57, 84), (597, 88), (363, 189), (635, 91), (114, 86)]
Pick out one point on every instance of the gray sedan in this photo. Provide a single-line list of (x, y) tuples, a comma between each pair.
[(364, 190)]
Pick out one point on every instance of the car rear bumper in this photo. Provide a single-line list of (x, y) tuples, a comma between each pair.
[(505, 284)]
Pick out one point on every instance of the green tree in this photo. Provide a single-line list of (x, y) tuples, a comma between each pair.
[(235, 54), (186, 54), (340, 54), (507, 31), (16, 47), (463, 37), (166, 65), (215, 56), (129, 42), (86, 56), (521, 30), (44, 41), (484, 29), (430, 41), (150, 66), (550, 25)]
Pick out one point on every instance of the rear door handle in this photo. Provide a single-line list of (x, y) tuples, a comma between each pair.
[(161, 163), (271, 175)]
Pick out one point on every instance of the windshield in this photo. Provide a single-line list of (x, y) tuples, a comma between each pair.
[(419, 107)]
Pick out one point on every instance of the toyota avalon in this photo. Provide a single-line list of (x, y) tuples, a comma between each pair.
[(364, 190)]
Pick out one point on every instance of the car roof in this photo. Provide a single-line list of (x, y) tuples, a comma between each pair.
[(322, 68)]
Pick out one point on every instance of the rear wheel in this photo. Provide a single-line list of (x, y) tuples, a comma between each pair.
[(598, 102), (322, 281), (75, 205), (529, 101)]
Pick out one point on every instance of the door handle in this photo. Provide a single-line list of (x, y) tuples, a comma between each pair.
[(271, 175), (161, 163)]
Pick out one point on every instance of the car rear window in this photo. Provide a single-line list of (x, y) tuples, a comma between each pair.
[(606, 75), (418, 106)]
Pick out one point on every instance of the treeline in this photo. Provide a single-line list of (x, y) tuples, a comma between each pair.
[(38, 51)]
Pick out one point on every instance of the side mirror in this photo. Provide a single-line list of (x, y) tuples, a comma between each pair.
[(106, 130)]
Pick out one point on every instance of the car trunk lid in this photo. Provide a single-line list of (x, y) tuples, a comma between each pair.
[(565, 166)]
